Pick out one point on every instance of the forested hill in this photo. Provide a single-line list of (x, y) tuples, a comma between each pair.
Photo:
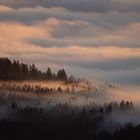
[(14, 70)]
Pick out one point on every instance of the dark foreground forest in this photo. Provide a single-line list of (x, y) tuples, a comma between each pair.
[(48, 106), (63, 123)]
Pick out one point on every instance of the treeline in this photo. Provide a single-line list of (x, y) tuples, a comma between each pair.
[(14, 70), (31, 88)]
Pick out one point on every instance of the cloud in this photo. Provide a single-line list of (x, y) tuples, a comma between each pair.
[(80, 5), (4, 9), (88, 25), (93, 38), (105, 52), (63, 34), (39, 13)]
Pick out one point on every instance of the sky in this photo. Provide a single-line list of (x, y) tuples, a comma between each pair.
[(93, 39)]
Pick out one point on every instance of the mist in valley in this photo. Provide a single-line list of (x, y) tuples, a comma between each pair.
[(84, 95)]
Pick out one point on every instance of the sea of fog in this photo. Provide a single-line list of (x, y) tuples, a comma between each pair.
[(104, 93)]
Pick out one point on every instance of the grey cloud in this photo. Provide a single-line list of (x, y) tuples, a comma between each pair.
[(132, 78), (107, 20), (79, 5), (114, 65), (83, 42), (103, 65), (123, 77)]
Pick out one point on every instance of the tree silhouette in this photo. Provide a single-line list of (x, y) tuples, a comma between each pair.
[(61, 75), (14, 70), (49, 75)]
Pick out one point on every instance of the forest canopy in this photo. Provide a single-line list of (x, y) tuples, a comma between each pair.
[(14, 70)]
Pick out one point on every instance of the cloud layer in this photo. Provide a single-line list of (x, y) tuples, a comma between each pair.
[(79, 5), (94, 38)]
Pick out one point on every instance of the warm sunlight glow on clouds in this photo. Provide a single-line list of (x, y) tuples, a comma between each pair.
[(5, 9), (103, 41)]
